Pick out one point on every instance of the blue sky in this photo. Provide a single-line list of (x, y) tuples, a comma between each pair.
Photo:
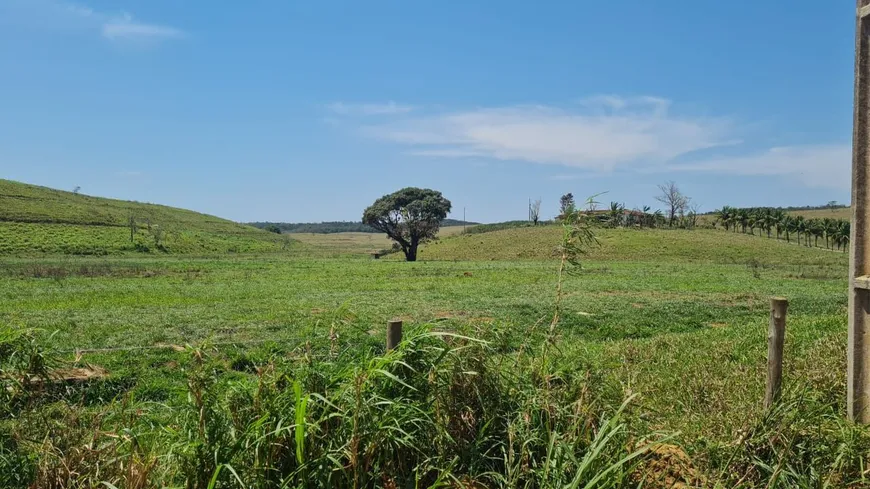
[(308, 111)]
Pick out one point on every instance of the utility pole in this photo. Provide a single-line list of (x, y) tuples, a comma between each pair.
[(858, 395)]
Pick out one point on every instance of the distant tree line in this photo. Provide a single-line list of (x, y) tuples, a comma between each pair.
[(777, 221), (680, 211), (333, 227)]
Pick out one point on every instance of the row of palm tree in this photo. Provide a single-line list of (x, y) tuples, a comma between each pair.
[(769, 220)]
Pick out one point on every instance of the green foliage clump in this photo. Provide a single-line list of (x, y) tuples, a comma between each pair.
[(410, 216)]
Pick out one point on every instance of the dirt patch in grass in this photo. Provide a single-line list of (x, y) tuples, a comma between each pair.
[(668, 466)]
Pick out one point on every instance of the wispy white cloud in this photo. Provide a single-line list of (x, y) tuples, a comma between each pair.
[(388, 108), (125, 28), (601, 134), (813, 165), (58, 15), (606, 133), (563, 178)]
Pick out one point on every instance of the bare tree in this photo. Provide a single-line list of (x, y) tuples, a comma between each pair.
[(535, 211), (674, 200), (694, 212)]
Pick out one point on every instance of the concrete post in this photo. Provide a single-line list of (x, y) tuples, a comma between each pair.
[(858, 396)]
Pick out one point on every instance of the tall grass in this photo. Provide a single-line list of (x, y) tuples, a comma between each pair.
[(441, 411)]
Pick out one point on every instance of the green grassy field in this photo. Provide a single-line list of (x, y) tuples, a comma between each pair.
[(704, 245), (194, 367), (676, 319), (844, 213), (36, 220), (337, 244)]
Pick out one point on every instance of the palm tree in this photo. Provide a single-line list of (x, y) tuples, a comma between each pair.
[(800, 226), (842, 235), (725, 215), (788, 224), (778, 215), (830, 227), (742, 217), (814, 227), (755, 219), (647, 217), (659, 218), (769, 220), (616, 214)]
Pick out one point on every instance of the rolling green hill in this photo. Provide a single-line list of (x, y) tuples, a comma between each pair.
[(700, 245), (41, 220)]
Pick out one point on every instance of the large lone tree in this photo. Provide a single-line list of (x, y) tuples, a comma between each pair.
[(409, 217)]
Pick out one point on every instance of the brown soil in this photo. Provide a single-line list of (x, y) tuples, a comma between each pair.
[(668, 466)]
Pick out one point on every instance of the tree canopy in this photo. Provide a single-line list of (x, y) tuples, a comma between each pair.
[(409, 217)]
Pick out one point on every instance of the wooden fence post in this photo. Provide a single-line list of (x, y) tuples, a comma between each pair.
[(394, 334), (775, 342)]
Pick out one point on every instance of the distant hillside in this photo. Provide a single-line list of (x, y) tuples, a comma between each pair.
[(832, 213), (42, 220), (700, 245), (337, 226), (499, 226)]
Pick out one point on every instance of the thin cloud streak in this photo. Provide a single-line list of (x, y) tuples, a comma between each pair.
[(388, 108), (826, 166), (125, 28), (60, 16)]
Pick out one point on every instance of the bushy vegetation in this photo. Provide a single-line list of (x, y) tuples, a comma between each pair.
[(41, 220)]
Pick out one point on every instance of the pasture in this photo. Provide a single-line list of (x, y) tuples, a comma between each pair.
[(671, 322), (338, 244)]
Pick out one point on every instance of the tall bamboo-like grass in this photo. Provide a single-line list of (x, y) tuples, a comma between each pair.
[(440, 411)]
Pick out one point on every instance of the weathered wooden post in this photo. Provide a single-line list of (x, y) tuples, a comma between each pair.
[(858, 383), (394, 334), (775, 343)]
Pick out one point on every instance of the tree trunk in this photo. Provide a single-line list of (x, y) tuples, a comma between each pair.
[(411, 250)]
